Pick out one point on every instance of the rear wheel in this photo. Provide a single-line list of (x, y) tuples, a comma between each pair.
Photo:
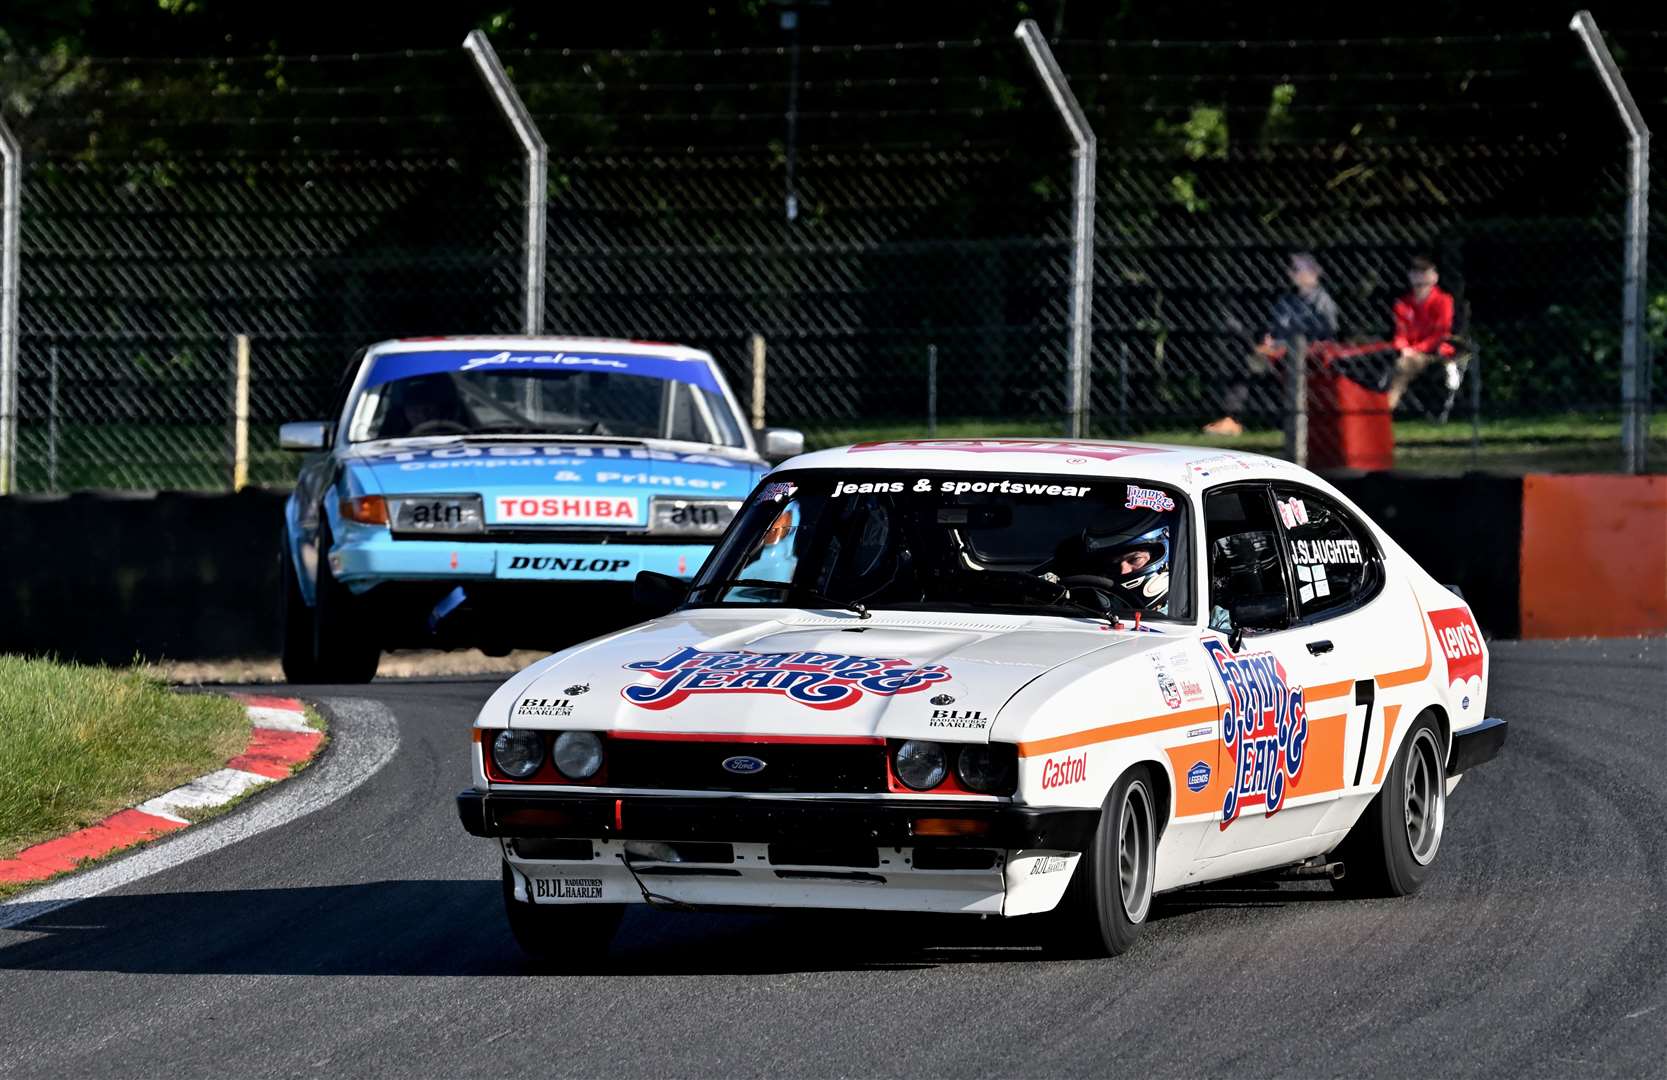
[(560, 933), (1393, 845), (344, 648), (1110, 894)]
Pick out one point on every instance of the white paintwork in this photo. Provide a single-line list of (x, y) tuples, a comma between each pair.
[(1042, 678), (282, 719)]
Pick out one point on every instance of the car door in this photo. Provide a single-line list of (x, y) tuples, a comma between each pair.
[(1355, 632), (1296, 569)]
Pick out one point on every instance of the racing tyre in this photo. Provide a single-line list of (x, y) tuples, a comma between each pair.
[(344, 648), (1110, 894), (1391, 848), (560, 934), (296, 619)]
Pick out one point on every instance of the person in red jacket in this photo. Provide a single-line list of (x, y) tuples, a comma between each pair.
[(1423, 323)]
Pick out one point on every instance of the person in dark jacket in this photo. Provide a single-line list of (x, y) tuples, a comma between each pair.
[(1309, 312)]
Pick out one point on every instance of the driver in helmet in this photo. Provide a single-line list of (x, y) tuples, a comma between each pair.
[(1140, 567), (425, 405), (1132, 565)]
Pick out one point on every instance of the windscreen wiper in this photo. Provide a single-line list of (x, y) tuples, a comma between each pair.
[(787, 587)]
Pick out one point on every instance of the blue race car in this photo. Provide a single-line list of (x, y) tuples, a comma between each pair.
[(504, 492)]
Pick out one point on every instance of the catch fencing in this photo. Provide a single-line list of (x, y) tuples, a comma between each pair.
[(894, 221)]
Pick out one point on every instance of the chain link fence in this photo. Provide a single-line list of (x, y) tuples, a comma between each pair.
[(893, 220)]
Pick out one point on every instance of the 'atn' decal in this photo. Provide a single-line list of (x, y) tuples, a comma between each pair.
[(818, 679), (1265, 725), (1460, 642)]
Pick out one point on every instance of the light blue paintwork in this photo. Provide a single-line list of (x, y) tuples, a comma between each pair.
[(507, 468)]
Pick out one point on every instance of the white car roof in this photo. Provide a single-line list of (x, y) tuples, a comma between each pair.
[(1173, 465), (521, 342)]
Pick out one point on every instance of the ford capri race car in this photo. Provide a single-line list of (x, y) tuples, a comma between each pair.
[(504, 491), (1002, 677)]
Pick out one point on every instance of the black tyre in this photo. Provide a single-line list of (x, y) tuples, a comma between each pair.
[(1391, 849), (1110, 894), (296, 620), (559, 934), (345, 648)]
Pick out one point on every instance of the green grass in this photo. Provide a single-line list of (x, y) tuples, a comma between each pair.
[(193, 458), (79, 743)]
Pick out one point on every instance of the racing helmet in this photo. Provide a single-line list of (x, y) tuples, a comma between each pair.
[(1145, 587)]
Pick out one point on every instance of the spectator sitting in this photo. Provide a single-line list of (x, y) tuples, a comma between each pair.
[(1310, 312), (1423, 322)]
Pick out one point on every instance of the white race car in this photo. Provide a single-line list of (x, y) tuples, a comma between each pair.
[(1001, 677)]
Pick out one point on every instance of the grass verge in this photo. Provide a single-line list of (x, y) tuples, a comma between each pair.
[(79, 743)]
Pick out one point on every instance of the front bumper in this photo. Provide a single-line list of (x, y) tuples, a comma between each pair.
[(364, 558), (764, 820)]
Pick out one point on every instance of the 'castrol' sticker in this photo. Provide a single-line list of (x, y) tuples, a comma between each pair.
[(568, 509)]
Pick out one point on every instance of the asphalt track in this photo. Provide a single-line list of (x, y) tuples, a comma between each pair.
[(365, 938)]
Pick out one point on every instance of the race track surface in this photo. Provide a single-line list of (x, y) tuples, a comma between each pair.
[(367, 939)]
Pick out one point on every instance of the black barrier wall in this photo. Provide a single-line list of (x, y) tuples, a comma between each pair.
[(102, 579), (1465, 530)]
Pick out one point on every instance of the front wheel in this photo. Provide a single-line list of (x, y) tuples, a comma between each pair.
[(1391, 848), (299, 662), (345, 649), (1110, 894), (559, 933)]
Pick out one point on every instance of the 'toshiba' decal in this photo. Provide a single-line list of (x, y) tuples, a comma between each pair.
[(817, 679), (1265, 727)]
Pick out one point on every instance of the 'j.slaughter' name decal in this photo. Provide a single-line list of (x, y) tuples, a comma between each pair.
[(817, 679), (1266, 722)]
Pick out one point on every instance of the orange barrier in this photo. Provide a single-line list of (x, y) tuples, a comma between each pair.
[(1594, 556)]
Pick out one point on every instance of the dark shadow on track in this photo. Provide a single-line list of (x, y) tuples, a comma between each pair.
[(457, 928)]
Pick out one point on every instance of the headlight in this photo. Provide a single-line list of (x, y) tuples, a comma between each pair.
[(437, 515), (669, 516), (921, 765), (578, 754), (518, 754), (987, 769)]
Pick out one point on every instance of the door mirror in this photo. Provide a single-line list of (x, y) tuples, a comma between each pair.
[(658, 594), (305, 435), (779, 443), (1267, 612)]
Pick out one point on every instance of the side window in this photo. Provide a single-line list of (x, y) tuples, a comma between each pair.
[(1332, 554), (1247, 575)]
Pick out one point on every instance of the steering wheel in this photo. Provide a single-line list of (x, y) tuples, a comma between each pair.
[(440, 427), (1102, 585)]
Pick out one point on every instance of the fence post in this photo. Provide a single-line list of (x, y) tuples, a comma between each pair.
[(52, 420), (1635, 358), (1082, 220), (932, 389), (240, 415), (11, 197), (758, 372), (514, 111), (1296, 401)]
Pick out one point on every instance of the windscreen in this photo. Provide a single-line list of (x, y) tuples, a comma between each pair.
[(1068, 545), (539, 402)]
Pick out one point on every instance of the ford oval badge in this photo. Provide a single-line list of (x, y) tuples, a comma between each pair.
[(743, 765)]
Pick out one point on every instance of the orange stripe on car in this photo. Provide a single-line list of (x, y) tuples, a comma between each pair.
[(1390, 713), (1209, 714)]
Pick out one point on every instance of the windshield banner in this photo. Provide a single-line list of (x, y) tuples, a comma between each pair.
[(403, 365)]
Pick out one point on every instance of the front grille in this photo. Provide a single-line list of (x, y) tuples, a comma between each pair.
[(788, 767)]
